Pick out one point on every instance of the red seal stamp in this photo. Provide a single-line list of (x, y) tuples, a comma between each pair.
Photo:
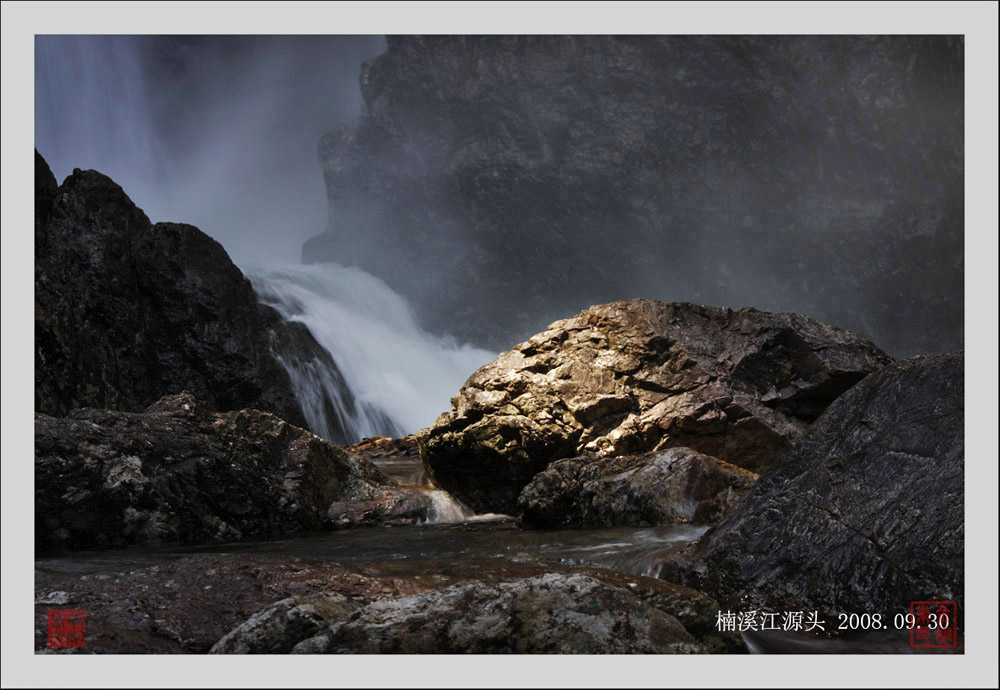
[(935, 624), (66, 628)]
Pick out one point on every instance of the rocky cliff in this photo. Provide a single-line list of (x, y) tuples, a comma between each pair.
[(127, 311), (499, 181)]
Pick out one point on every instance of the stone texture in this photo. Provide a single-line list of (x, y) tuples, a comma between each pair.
[(636, 376), (661, 488), (549, 614), (246, 603), (187, 604), (865, 514), (498, 181), (181, 471), (282, 625), (127, 311)]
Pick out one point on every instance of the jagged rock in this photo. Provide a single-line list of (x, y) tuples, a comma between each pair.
[(127, 311), (181, 471), (533, 175), (282, 625), (635, 376), (865, 514), (555, 614), (660, 488)]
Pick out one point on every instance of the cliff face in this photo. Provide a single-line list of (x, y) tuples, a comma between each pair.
[(127, 311), (500, 181)]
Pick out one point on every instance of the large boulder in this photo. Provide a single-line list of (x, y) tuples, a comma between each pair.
[(127, 311), (865, 514), (530, 176), (182, 472), (659, 488), (553, 613), (636, 376)]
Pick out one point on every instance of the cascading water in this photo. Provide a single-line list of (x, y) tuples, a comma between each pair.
[(400, 376)]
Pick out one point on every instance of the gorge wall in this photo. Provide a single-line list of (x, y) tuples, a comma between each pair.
[(501, 182)]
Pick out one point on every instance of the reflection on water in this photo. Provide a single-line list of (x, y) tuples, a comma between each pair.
[(631, 550), (408, 471)]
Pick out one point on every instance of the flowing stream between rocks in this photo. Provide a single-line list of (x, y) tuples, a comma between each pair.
[(456, 544)]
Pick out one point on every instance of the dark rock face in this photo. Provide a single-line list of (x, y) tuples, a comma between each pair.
[(553, 614), (864, 514), (182, 472), (529, 176), (636, 376), (673, 486), (127, 311)]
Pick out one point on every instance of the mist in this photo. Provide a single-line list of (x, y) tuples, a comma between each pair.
[(500, 183), (216, 131)]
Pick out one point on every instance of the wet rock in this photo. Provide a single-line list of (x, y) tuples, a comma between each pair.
[(637, 376), (127, 311), (181, 471), (279, 627), (379, 447), (533, 175), (553, 614), (865, 514), (660, 488)]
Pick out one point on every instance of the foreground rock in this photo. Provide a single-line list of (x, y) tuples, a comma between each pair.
[(181, 471), (660, 488), (553, 614), (279, 627), (635, 376), (243, 603), (866, 514), (127, 311), (186, 605)]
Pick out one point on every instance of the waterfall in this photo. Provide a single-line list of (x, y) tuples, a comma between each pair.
[(398, 374)]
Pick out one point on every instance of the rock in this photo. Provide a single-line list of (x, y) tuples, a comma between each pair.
[(186, 605), (865, 514), (528, 176), (379, 447), (181, 471), (660, 488), (637, 376), (243, 603), (280, 626), (127, 311), (553, 614), (55, 599)]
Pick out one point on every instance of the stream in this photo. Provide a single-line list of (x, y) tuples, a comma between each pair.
[(484, 542)]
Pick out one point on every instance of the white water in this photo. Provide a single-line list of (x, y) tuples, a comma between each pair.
[(391, 365), (445, 510)]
